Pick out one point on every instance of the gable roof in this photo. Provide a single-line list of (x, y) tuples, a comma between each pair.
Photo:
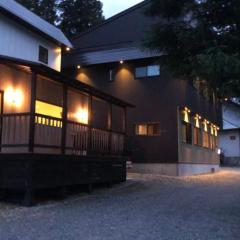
[(18, 12)]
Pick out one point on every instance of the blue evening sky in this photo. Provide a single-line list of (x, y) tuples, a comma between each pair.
[(112, 7)]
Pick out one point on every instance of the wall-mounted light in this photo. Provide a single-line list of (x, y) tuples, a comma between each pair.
[(186, 112), (78, 66), (82, 115), (13, 97), (121, 62), (68, 49)]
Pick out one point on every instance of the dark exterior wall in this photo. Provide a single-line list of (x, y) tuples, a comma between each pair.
[(156, 100)]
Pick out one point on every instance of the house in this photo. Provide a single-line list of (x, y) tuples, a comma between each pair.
[(54, 130), (173, 129), (229, 138)]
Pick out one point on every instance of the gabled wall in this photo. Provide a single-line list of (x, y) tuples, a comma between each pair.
[(18, 42)]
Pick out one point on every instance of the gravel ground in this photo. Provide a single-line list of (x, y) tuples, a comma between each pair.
[(145, 208)]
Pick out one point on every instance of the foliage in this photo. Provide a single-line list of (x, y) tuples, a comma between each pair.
[(46, 9), (72, 16), (199, 39), (79, 15)]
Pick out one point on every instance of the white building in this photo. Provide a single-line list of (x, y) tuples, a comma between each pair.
[(230, 135), (26, 36)]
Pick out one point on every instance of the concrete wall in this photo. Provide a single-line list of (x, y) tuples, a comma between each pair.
[(18, 42)]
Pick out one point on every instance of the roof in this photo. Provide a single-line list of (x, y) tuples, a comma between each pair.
[(113, 18), (57, 76), (108, 56), (117, 38), (18, 12)]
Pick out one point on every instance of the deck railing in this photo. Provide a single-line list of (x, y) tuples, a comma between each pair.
[(80, 139)]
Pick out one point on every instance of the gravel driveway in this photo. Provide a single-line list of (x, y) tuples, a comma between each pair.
[(145, 208)]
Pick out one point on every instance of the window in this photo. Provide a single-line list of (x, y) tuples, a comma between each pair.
[(43, 55), (147, 71), (232, 138), (186, 132), (197, 136), (148, 129), (206, 140), (48, 110)]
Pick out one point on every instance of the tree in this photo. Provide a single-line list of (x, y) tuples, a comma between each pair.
[(199, 39), (47, 9), (79, 15)]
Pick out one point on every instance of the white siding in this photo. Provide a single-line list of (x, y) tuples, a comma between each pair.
[(230, 147), (18, 42)]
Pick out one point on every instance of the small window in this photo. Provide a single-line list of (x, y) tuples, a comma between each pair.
[(232, 138), (43, 55), (147, 71), (148, 129)]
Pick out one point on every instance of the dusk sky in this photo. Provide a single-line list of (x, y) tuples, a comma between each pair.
[(112, 7)]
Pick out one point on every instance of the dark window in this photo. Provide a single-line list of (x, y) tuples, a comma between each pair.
[(148, 129), (43, 55), (147, 71), (187, 132), (233, 138)]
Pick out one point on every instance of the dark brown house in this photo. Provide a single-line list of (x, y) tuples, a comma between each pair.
[(173, 128)]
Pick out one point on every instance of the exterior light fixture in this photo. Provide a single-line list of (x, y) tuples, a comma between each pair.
[(13, 97), (78, 66), (121, 62), (68, 49), (82, 115)]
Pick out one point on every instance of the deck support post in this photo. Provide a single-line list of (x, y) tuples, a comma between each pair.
[(125, 129), (28, 200), (90, 116), (110, 118), (64, 119), (32, 111)]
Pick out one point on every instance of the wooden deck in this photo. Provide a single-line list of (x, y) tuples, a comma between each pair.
[(31, 172)]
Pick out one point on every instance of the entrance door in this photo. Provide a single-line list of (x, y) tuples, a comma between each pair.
[(1, 119)]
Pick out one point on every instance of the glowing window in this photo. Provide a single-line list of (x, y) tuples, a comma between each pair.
[(148, 129), (48, 109)]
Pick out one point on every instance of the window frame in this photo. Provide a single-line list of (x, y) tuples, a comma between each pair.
[(43, 58), (146, 67), (148, 124)]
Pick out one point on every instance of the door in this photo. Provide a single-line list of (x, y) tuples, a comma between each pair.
[(1, 119)]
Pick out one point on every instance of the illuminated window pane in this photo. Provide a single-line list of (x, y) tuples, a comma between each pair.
[(148, 129), (141, 129), (141, 72), (153, 70), (197, 136), (48, 109), (206, 140)]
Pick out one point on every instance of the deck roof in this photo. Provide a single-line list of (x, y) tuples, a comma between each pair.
[(57, 76)]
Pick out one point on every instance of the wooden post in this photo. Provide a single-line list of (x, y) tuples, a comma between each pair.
[(1, 118), (32, 111), (125, 129), (90, 116), (64, 119), (110, 128)]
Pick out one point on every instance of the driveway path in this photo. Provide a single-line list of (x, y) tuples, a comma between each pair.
[(148, 207)]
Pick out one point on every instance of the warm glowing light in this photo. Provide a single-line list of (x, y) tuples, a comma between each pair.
[(82, 115), (186, 112), (197, 121), (219, 151), (205, 124), (121, 62), (68, 49), (14, 97), (78, 66)]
